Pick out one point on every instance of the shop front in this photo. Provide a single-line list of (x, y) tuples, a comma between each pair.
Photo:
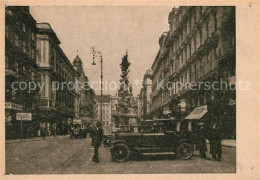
[(12, 127)]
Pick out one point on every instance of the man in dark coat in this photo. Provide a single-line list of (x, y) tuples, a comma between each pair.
[(215, 138), (97, 136), (200, 140)]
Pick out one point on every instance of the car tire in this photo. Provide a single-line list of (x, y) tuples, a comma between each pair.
[(120, 152), (185, 151)]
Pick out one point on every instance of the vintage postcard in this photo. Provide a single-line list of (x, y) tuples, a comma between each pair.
[(142, 89)]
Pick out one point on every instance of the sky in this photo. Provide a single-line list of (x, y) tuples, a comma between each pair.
[(111, 30)]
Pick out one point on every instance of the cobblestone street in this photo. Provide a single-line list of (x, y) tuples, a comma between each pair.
[(73, 156)]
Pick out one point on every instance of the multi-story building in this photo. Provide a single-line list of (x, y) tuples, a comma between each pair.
[(198, 48), (140, 104), (87, 101), (59, 100), (106, 110), (20, 70), (144, 98)]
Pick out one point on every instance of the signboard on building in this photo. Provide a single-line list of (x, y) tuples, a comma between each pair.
[(11, 73), (9, 105), (24, 116)]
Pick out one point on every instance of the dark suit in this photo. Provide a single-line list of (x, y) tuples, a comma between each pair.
[(215, 139), (97, 136)]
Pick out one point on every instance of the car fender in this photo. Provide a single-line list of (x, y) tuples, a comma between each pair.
[(185, 141), (118, 141)]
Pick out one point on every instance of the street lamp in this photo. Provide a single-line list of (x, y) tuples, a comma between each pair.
[(99, 54)]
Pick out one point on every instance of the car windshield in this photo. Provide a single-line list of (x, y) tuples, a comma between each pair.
[(157, 126)]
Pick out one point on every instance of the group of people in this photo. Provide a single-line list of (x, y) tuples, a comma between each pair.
[(52, 131), (214, 134)]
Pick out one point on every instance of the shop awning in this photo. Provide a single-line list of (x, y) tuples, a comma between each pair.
[(198, 112)]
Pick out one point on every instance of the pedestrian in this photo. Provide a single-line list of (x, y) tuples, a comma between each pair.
[(200, 140), (97, 136), (54, 128), (43, 133), (215, 138)]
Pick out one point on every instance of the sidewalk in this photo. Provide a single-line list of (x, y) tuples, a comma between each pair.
[(227, 143), (10, 141)]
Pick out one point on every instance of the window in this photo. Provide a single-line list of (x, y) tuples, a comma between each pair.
[(195, 17), (215, 21), (200, 10), (207, 28), (195, 73), (16, 40), (190, 50), (32, 76), (24, 47), (24, 28), (6, 63), (185, 52), (16, 66), (6, 31), (33, 55), (24, 69), (195, 44), (200, 31)]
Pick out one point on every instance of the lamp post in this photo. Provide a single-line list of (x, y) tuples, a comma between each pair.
[(99, 54)]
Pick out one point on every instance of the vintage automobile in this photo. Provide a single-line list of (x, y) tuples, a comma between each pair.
[(78, 129), (155, 137)]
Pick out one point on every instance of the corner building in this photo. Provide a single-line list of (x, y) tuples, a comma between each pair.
[(59, 102), (20, 70)]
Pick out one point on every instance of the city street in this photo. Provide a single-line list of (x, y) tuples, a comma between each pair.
[(73, 156)]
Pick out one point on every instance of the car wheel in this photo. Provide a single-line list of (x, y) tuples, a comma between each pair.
[(120, 152), (184, 151)]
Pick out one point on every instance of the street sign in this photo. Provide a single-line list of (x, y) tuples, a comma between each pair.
[(24, 116), (10, 105)]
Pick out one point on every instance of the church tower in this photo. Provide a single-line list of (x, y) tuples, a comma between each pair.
[(77, 63)]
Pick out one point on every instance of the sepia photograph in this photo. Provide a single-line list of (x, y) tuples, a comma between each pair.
[(120, 89)]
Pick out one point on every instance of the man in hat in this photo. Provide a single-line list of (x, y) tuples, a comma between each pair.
[(215, 141), (201, 145), (97, 136)]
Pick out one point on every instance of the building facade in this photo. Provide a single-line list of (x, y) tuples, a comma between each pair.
[(144, 98), (87, 100), (198, 48), (106, 110), (20, 70), (59, 101)]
